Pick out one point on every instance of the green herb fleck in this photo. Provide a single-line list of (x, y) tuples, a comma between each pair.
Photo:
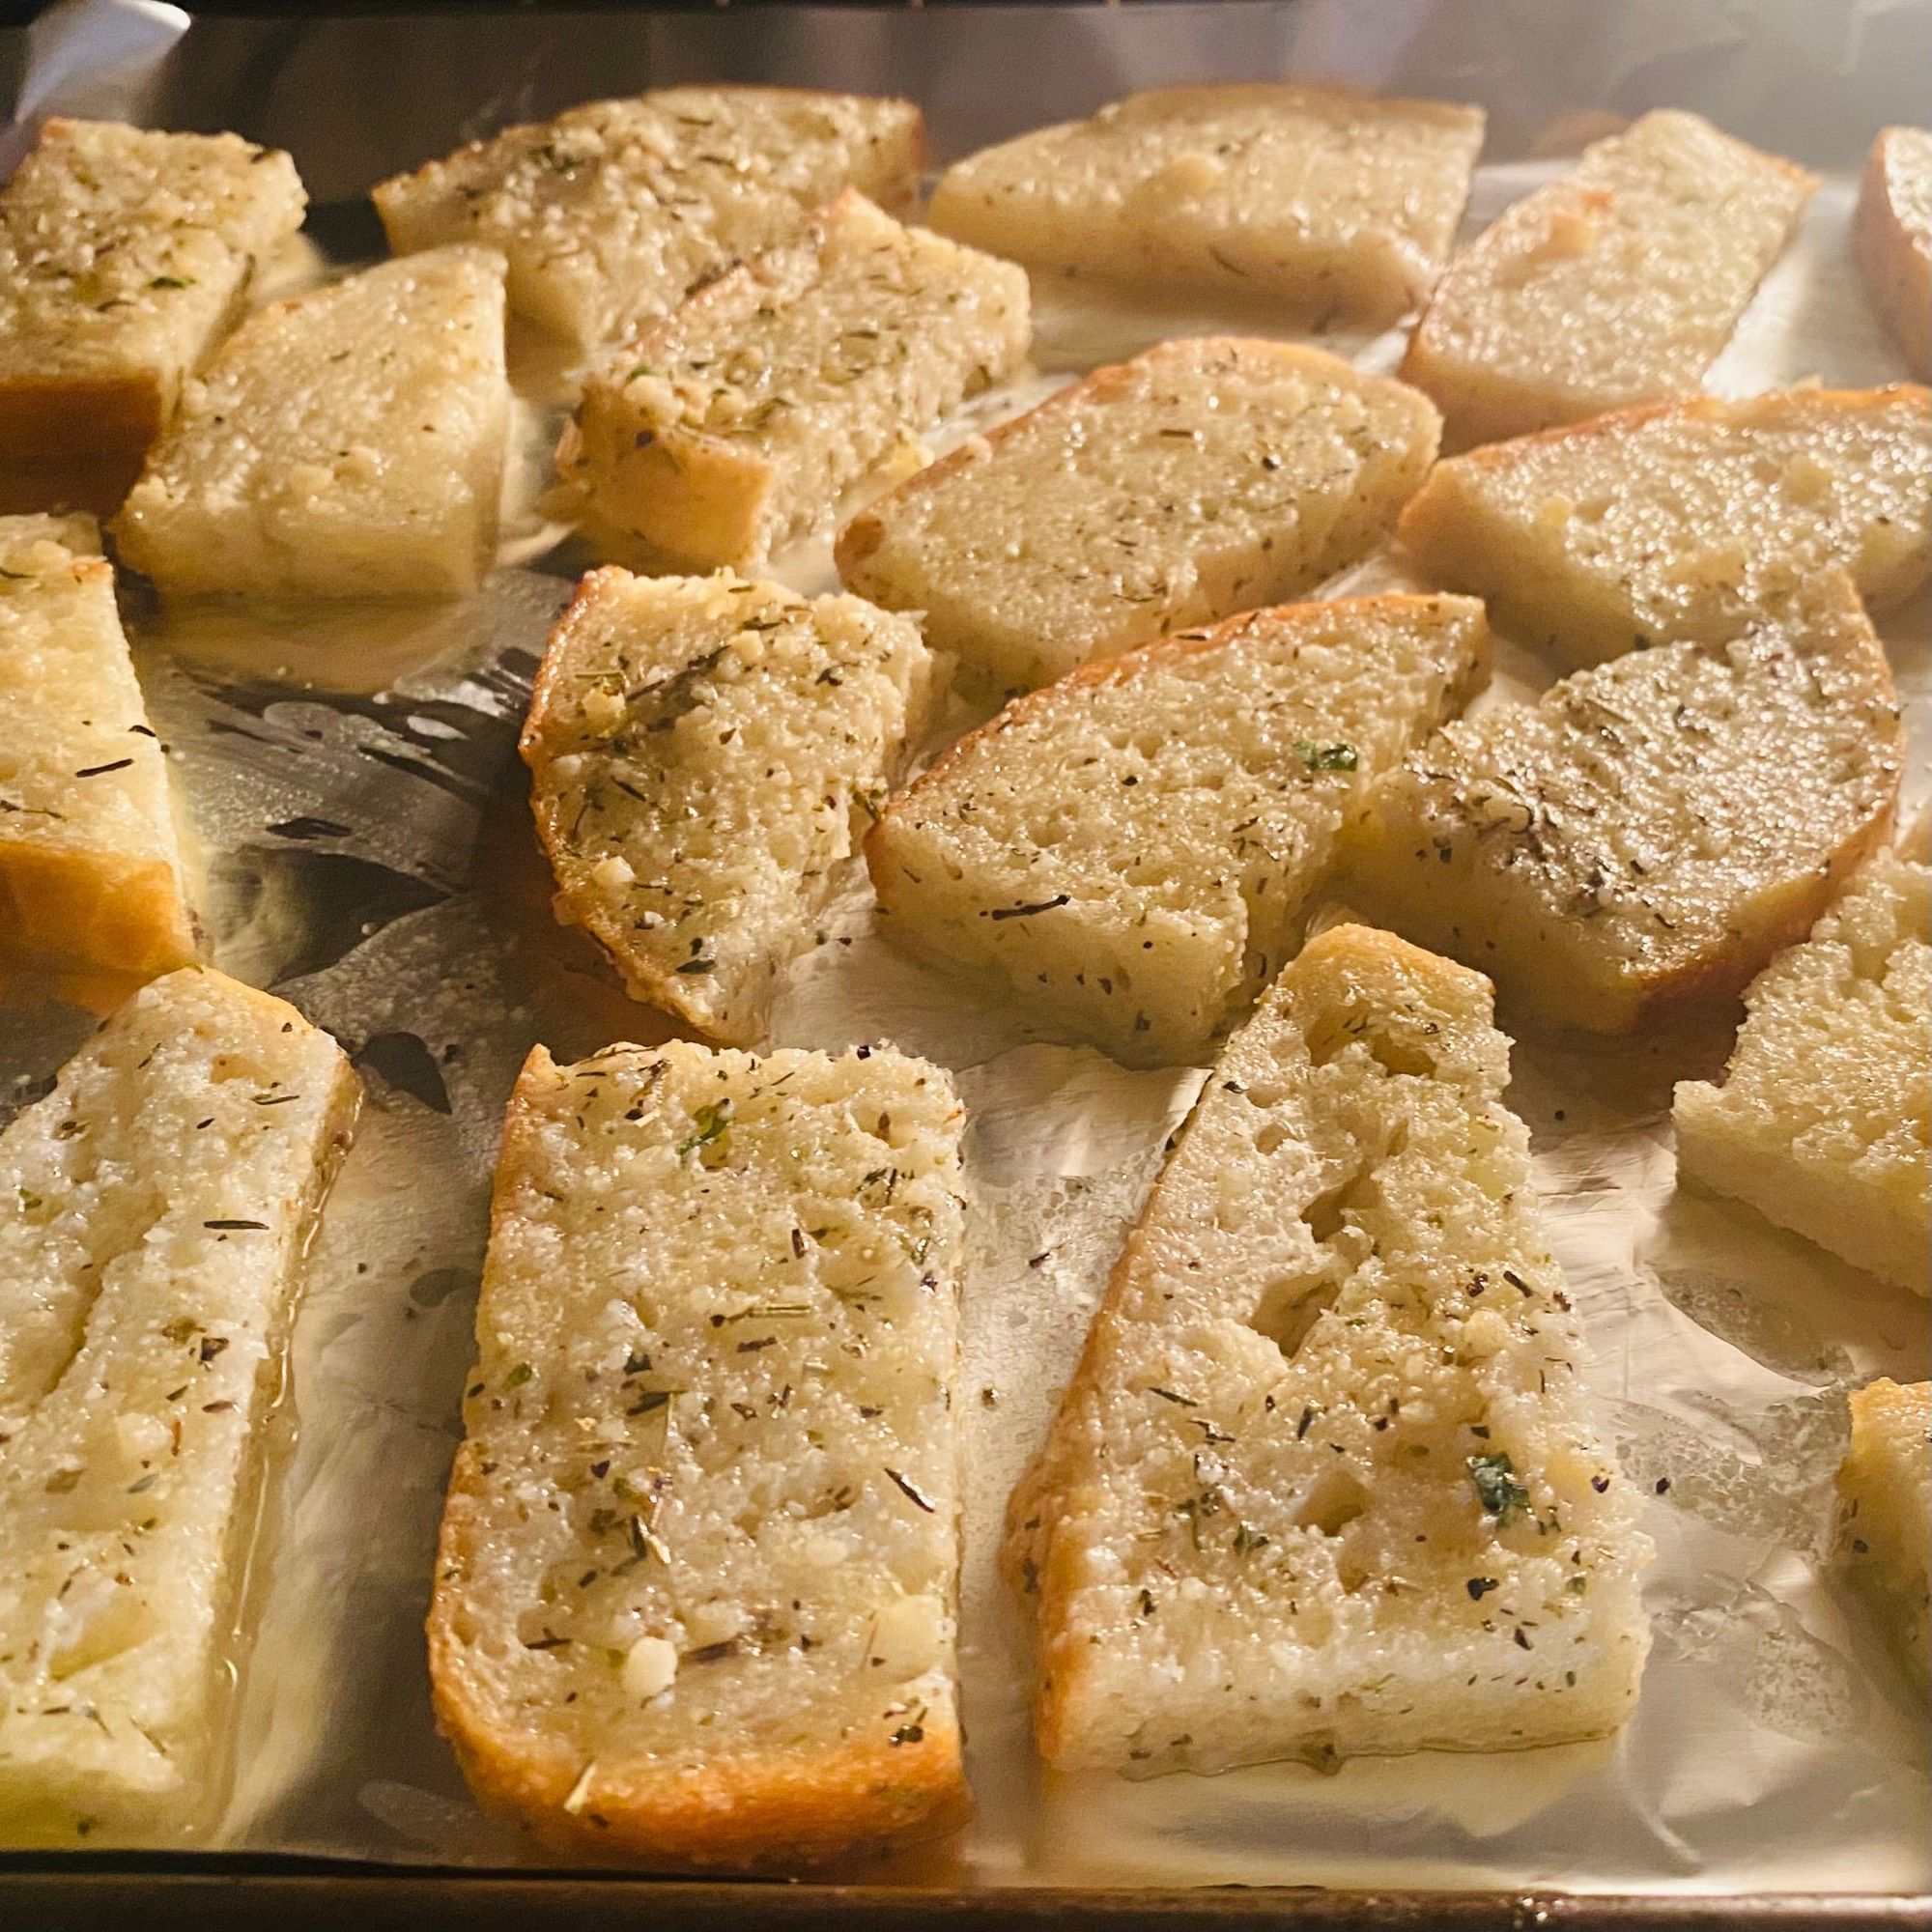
[(1327, 757), (712, 1121), (1501, 1495)]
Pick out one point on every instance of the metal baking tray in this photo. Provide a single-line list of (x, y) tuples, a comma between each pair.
[(371, 845)]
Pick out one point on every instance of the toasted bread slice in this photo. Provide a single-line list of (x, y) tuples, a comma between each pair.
[(706, 752), (1208, 476), (153, 1210), (611, 213), (733, 425), (345, 443), (1892, 234), (1131, 847), (90, 859), (1885, 1517), (1824, 1120), (1619, 284), (1334, 203), (1649, 832), (1325, 1483), (124, 257), (1679, 521), (697, 1590)]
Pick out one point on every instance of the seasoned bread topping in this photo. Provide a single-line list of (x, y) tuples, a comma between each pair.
[(733, 425), (1206, 477), (615, 211)]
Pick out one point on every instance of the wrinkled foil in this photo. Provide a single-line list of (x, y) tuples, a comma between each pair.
[(352, 780)]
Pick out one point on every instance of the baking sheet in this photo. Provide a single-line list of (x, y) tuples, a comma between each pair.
[(353, 782)]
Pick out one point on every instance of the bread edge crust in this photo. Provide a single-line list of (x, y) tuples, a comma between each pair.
[(1897, 273)]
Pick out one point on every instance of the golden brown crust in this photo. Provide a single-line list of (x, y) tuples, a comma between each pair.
[(62, 484), (71, 904), (770, 1813), (74, 908), (753, 1814), (1897, 271)]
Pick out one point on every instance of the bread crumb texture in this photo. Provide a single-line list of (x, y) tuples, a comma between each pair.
[(1652, 830), (345, 443), (1681, 521), (1891, 236), (1131, 848), (1824, 1119), (153, 1209), (733, 426), (706, 752), (1206, 477), (1618, 284), (1884, 1513), (90, 862), (1325, 1483), (613, 212), (1341, 204), (697, 1592), (123, 256)]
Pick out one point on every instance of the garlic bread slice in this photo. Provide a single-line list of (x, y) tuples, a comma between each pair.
[(154, 1212), (1131, 848), (1649, 832), (1325, 1482), (696, 1589), (706, 752)]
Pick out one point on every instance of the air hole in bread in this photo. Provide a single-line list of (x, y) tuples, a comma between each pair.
[(1327, 1213), (1335, 1500), (1289, 1309), (1398, 1052), (1352, 1574)]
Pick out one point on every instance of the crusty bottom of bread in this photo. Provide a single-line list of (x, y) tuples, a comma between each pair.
[(748, 1815), (92, 909)]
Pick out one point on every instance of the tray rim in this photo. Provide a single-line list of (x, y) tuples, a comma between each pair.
[(240, 1888)]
